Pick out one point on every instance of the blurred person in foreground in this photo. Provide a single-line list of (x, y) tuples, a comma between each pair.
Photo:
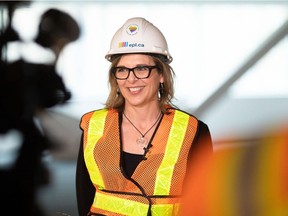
[(26, 89), (245, 180), (136, 151)]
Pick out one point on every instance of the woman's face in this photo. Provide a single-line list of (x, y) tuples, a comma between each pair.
[(139, 92)]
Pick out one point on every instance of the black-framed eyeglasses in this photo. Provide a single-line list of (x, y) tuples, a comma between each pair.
[(140, 72)]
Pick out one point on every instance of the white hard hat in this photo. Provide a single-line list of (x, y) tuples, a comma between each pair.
[(137, 35)]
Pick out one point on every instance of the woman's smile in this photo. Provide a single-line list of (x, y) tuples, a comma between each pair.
[(135, 90)]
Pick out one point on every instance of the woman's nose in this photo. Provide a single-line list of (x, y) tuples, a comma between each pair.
[(131, 76)]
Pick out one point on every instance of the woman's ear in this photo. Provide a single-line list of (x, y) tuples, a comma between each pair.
[(161, 78)]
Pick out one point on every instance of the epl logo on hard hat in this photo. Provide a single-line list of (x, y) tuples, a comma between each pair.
[(132, 29)]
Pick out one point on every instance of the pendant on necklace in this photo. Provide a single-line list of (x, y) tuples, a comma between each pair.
[(141, 142)]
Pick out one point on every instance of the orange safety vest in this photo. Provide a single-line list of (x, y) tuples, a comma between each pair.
[(156, 184)]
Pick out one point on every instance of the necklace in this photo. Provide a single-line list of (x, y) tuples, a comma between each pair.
[(142, 141)]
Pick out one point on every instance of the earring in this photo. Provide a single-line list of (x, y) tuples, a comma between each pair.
[(118, 91), (161, 89)]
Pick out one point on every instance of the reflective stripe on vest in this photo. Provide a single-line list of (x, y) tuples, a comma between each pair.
[(129, 207), (175, 140), (95, 132), (120, 206)]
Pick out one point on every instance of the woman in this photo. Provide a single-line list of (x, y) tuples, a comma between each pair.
[(137, 151)]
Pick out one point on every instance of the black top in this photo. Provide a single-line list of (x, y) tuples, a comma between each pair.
[(130, 162), (85, 189)]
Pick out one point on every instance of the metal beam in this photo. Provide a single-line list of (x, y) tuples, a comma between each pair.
[(255, 57)]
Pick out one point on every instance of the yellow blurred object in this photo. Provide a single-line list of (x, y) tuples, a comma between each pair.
[(248, 180)]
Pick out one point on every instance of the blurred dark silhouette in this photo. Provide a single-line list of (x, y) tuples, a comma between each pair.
[(56, 30), (26, 88)]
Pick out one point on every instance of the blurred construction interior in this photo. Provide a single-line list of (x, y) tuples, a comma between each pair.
[(230, 59)]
